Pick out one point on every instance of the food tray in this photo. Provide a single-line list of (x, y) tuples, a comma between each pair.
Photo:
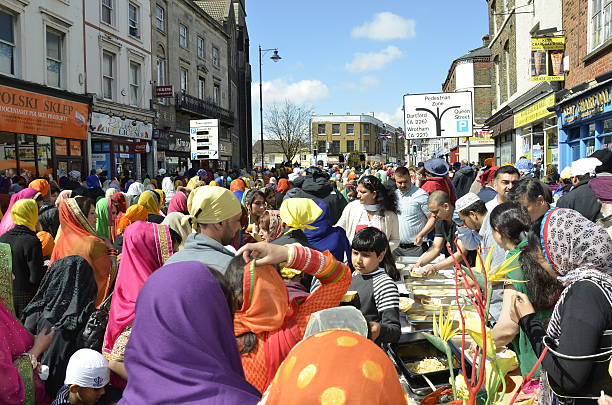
[(414, 347)]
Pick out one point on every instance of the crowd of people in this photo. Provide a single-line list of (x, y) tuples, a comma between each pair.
[(231, 287)]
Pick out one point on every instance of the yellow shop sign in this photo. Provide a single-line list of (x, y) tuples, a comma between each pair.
[(534, 112)]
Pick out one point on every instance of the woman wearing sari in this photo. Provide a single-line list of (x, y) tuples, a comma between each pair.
[(26, 253), (6, 224), (178, 203), (19, 384), (237, 187), (105, 222), (268, 325), (134, 191), (135, 213), (64, 301), (578, 253), (119, 202), (150, 200), (146, 247), (271, 226), (78, 237), (181, 224)]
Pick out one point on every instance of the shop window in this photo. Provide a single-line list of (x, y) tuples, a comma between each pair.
[(601, 22), (7, 154), (134, 83), (43, 155), (590, 146), (61, 147), (76, 148), (606, 142), (591, 130), (26, 156), (321, 129), (7, 43), (573, 133), (607, 126)]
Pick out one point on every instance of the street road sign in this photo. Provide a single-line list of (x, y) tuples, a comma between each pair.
[(204, 139), (433, 115)]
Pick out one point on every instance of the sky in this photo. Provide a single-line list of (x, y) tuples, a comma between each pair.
[(341, 56)]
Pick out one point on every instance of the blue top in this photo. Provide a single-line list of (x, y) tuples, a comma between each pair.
[(413, 213)]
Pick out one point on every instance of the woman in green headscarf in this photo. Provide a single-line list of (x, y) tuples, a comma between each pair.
[(104, 222)]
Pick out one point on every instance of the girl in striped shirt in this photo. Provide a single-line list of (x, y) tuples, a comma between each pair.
[(373, 279)]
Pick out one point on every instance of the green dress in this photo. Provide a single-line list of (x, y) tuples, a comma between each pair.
[(522, 346)]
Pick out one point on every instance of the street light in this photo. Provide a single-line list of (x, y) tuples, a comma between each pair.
[(275, 57)]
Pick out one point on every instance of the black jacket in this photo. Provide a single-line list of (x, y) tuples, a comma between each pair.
[(582, 199), (462, 181), (319, 187)]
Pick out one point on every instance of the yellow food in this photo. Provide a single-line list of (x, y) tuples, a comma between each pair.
[(405, 304), (427, 365), (414, 274), (349, 296)]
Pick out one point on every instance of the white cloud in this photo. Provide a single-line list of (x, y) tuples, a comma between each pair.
[(386, 26), (395, 118), (365, 83), (297, 92), (368, 61)]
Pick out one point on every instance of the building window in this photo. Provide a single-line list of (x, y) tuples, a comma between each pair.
[(201, 88), (321, 129), (497, 80), (215, 56), (183, 36), (350, 146), (160, 18), (161, 71), (55, 41), (366, 129), (134, 20), (107, 11), (7, 44), (321, 147), (601, 22), (217, 94), (335, 129), (108, 75), (184, 79), (507, 68), (350, 129), (335, 147), (366, 145), (134, 83), (200, 47)]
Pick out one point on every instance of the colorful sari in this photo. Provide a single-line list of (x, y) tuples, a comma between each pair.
[(120, 202), (146, 247), (79, 238), (151, 201), (353, 370), (6, 224)]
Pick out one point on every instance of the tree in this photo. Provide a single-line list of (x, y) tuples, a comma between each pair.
[(289, 125)]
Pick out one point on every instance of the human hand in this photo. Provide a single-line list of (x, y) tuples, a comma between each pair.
[(374, 330), (264, 253), (522, 305), (42, 341), (604, 400), (430, 270), (411, 267), (418, 240)]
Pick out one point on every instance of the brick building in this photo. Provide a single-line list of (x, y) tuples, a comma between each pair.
[(584, 107), (472, 72)]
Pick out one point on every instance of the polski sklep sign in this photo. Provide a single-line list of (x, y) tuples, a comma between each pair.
[(438, 115)]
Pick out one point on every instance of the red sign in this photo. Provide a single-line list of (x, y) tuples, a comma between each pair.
[(164, 91), (140, 147)]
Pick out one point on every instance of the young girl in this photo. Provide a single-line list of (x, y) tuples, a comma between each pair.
[(373, 279)]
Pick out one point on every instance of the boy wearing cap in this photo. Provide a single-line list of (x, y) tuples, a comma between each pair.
[(86, 376)]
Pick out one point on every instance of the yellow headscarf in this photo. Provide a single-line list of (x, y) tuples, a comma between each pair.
[(299, 213), (191, 184), (209, 205), (177, 184), (148, 200), (25, 212), (213, 183), (162, 197)]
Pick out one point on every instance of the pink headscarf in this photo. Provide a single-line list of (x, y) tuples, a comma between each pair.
[(146, 246), (178, 203), (14, 341), (7, 220)]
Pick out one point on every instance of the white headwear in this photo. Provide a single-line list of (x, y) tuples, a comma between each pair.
[(88, 369), (168, 188), (161, 171), (466, 201), (584, 166)]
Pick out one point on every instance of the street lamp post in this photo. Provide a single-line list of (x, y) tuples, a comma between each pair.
[(275, 57)]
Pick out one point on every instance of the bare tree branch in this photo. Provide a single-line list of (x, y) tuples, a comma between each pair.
[(288, 123)]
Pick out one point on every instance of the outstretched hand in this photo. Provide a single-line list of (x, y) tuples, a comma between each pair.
[(42, 341), (264, 253)]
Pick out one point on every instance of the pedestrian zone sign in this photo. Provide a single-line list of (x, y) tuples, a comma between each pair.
[(438, 115)]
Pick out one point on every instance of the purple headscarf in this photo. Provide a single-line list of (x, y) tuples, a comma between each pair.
[(7, 220), (182, 348)]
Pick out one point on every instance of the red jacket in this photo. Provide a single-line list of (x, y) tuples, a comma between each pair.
[(432, 184)]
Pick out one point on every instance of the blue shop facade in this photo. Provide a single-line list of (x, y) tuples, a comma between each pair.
[(585, 123)]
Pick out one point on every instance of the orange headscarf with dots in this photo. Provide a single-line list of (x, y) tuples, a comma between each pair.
[(352, 371)]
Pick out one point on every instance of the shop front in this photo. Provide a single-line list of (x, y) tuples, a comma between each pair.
[(536, 131), (585, 123), (503, 134), (41, 130), (173, 151), (120, 145), (225, 155)]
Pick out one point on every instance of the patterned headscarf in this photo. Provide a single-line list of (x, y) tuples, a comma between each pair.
[(577, 249)]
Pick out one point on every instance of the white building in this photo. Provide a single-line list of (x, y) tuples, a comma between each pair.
[(42, 83), (118, 71)]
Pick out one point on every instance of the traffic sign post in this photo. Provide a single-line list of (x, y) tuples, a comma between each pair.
[(438, 115), (204, 139)]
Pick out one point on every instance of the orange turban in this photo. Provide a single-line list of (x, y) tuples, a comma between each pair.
[(489, 162), (41, 185), (47, 243)]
